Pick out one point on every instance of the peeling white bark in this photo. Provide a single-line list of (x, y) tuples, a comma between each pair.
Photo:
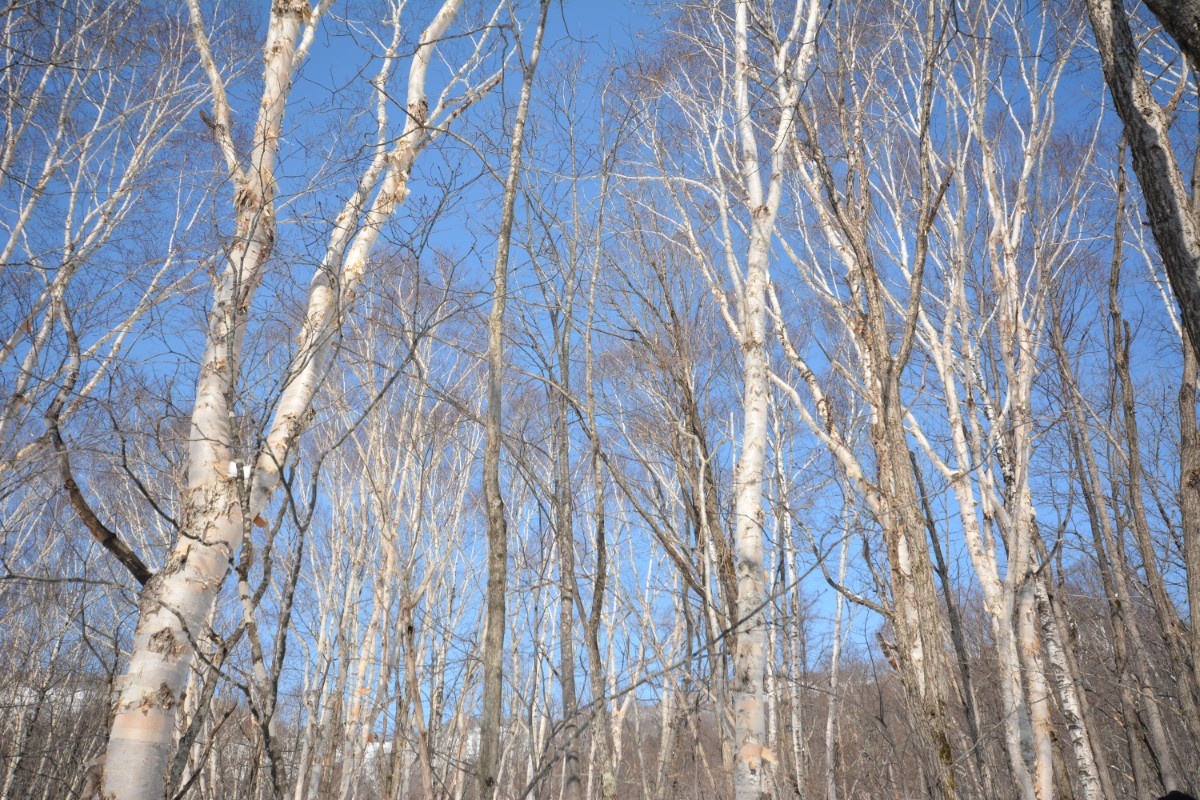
[(218, 506)]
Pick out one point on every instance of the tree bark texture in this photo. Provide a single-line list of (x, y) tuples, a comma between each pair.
[(175, 604), (1147, 130)]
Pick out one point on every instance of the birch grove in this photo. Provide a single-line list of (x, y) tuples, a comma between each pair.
[(733, 398)]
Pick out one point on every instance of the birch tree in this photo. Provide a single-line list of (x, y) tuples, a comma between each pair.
[(229, 482), (1021, 320), (375, 693), (775, 47), (840, 157), (1130, 481), (851, 244), (565, 244), (749, 660)]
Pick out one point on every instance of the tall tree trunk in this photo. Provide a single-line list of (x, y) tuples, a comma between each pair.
[(916, 617), (175, 604), (1176, 634), (1189, 505), (832, 717), (1165, 610), (593, 617), (748, 513), (1147, 130), (565, 541), (497, 526), (1089, 758), (956, 628), (842, 192), (224, 494), (1037, 691), (750, 652), (792, 56)]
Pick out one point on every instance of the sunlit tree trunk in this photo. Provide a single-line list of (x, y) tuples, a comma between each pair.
[(1128, 647), (1189, 494), (1171, 211), (175, 604), (225, 490), (762, 182)]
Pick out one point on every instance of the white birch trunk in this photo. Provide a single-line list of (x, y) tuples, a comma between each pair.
[(751, 749), (177, 601), (223, 495)]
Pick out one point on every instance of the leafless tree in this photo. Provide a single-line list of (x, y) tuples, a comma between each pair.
[(230, 482)]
